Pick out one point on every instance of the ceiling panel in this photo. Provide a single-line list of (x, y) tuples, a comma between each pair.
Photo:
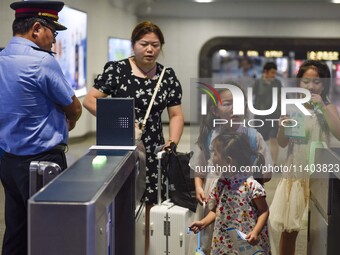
[(271, 9)]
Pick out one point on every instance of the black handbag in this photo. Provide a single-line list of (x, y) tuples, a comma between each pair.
[(181, 184)]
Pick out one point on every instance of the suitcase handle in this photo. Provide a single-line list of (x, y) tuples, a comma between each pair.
[(199, 233), (198, 249)]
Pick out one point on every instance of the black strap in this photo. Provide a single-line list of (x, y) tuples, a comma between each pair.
[(47, 51)]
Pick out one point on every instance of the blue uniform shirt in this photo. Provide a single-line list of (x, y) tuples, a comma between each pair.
[(32, 91)]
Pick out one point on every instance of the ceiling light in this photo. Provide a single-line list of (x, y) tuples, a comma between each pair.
[(204, 1), (223, 53), (336, 1)]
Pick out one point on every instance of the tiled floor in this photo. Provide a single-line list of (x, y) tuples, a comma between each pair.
[(78, 147)]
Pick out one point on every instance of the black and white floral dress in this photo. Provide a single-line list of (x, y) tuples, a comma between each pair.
[(118, 80)]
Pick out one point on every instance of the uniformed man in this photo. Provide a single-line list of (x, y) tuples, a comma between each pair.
[(38, 108)]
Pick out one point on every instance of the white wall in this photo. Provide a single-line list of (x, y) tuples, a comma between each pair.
[(103, 21), (184, 39)]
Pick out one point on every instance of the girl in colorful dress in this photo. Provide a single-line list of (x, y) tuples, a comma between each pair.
[(207, 133), (290, 202), (239, 199)]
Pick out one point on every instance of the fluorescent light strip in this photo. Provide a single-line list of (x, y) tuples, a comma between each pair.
[(204, 1)]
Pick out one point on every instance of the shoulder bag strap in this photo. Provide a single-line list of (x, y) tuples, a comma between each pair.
[(153, 98)]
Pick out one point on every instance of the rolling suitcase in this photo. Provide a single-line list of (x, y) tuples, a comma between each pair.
[(168, 225), (140, 230), (41, 173)]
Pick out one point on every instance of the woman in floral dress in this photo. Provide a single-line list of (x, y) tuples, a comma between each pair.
[(136, 77)]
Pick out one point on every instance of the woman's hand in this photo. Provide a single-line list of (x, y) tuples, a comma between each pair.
[(167, 145)]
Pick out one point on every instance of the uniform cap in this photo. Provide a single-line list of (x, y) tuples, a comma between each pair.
[(47, 10)]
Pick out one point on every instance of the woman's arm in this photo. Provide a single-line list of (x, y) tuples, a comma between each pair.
[(176, 124), (263, 211), (90, 100)]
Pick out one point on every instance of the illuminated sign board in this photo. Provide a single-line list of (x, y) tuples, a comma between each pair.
[(266, 53), (273, 53), (323, 55), (249, 53)]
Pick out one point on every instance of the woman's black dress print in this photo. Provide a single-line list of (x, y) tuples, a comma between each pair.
[(118, 80)]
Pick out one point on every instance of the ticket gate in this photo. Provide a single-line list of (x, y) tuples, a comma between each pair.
[(324, 203), (81, 211)]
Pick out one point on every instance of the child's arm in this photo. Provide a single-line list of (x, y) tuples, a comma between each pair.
[(262, 207), (282, 139), (332, 118), (264, 150), (199, 159), (199, 190), (197, 226)]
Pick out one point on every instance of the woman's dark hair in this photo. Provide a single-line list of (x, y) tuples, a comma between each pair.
[(237, 146), (206, 123), (144, 28), (323, 71)]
